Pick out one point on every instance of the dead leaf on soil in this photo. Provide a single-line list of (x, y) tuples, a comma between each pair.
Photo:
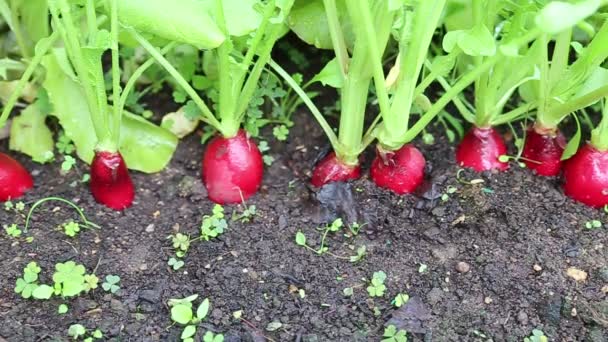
[(576, 274)]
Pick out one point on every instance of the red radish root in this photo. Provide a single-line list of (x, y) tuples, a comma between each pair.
[(586, 176), (232, 168), (15, 180), (111, 184), (543, 151), (400, 171), (480, 149), (331, 169)]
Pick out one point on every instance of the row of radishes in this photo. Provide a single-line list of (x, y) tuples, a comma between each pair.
[(500, 46)]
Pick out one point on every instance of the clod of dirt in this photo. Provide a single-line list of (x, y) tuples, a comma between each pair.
[(412, 317), (463, 267), (189, 186), (337, 200), (576, 274)]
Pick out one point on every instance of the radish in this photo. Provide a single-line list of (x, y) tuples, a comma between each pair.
[(232, 165), (232, 168), (480, 149), (543, 151), (331, 169), (14, 179), (586, 176), (111, 184), (586, 173), (400, 171)]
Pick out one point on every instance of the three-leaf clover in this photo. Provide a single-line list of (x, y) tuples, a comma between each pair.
[(76, 330), (28, 283), (401, 299), (377, 287), (111, 283), (391, 334), (69, 278), (71, 228)]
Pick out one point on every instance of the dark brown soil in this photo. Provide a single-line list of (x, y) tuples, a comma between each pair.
[(500, 228)]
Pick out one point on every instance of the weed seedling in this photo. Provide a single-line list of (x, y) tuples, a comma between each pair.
[(213, 225), (62, 309), (246, 216), (593, 224), (400, 300), (176, 264), (334, 227), (181, 313), (29, 282), (76, 331), (111, 283), (8, 205), (12, 230), (391, 334), (377, 287), (211, 337), (422, 268), (181, 244), (71, 228), (537, 336)]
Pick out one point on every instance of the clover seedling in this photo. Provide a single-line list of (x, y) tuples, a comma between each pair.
[(68, 163), (29, 282), (181, 313), (19, 206), (8, 205), (537, 336), (213, 225), (391, 334), (12, 230), (71, 228), (377, 287), (400, 300), (181, 243), (360, 254), (176, 264), (111, 283)]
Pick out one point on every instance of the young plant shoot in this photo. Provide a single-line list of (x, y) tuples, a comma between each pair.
[(350, 72), (110, 182), (586, 173), (562, 88), (482, 146), (232, 165)]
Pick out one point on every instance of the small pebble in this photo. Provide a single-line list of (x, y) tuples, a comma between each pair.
[(576, 274), (463, 267), (487, 300), (537, 268), (150, 228), (573, 313)]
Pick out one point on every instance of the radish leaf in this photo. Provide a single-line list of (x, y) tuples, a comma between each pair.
[(573, 144)]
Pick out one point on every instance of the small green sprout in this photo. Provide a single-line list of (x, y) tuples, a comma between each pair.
[(400, 300), (12, 230), (280, 132), (29, 282), (71, 228), (537, 336), (391, 334), (360, 254), (422, 268), (181, 313), (181, 243), (8, 205), (211, 337), (64, 144), (111, 283), (76, 330), (377, 287), (19, 206), (62, 309), (247, 215), (593, 224), (176, 264), (213, 225), (68, 163), (90, 282)]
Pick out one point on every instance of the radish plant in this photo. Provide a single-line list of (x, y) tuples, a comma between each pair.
[(232, 164), (350, 72), (562, 87), (399, 166), (482, 147)]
